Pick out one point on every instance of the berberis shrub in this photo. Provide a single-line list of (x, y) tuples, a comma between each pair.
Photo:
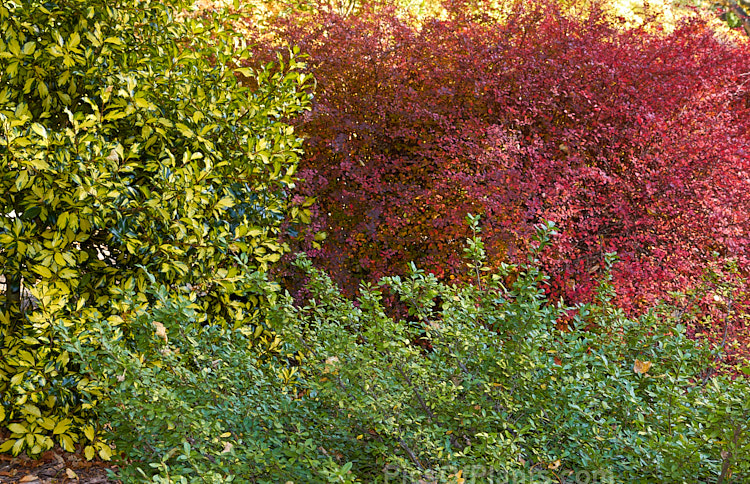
[(633, 140), (478, 382)]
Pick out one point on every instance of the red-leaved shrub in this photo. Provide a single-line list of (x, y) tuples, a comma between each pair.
[(630, 140)]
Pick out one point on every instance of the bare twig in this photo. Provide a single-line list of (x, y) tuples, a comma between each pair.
[(712, 370), (728, 456), (411, 454), (430, 414)]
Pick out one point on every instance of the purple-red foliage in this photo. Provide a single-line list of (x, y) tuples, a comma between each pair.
[(631, 141)]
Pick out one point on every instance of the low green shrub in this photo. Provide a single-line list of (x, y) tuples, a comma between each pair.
[(502, 390), (478, 383), (186, 400)]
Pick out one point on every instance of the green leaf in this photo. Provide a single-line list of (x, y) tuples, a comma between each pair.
[(114, 115), (62, 426), (29, 48), (245, 71), (47, 423), (32, 410), (186, 132), (66, 442), (6, 446), (18, 429), (105, 451), (17, 446), (39, 129), (88, 431), (74, 40), (42, 271), (22, 180), (14, 47)]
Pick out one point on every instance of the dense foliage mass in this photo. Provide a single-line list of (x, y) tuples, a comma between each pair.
[(635, 141), (495, 393), (147, 173), (128, 146)]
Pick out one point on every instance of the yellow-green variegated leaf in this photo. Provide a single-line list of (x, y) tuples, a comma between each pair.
[(89, 432), (89, 452), (111, 194), (66, 442), (6, 446), (105, 451), (17, 446), (62, 426), (47, 423), (18, 429)]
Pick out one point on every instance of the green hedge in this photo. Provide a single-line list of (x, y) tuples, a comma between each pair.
[(476, 383)]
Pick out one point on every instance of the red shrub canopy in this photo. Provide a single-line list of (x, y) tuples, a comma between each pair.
[(630, 141)]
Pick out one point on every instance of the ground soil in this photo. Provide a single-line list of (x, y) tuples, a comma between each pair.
[(53, 467)]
